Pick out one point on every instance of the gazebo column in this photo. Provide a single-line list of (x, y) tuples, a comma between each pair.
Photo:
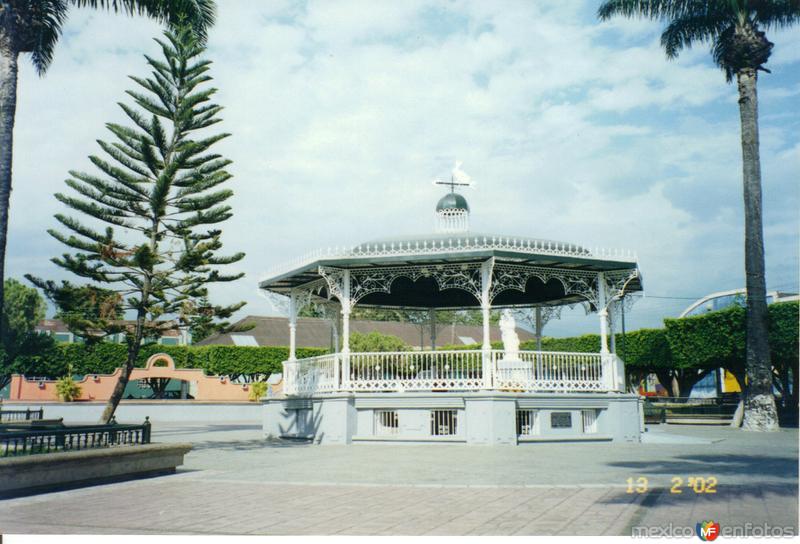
[(613, 370), (346, 307), (290, 366), (293, 326), (602, 311), (486, 308), (539, 326), (337, 326), (334, 315), (612, 340), (432, 320)]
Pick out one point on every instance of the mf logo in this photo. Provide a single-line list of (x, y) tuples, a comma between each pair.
[(707, 530)]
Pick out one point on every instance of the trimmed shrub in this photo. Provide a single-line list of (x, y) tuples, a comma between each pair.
[(712, 340), (717, 339)]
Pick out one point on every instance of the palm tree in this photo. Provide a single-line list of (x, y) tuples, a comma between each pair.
[(34, 26), (735, 30)]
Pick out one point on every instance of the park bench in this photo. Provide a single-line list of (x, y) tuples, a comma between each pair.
[(689, 411), (33, 424), (679, 418)]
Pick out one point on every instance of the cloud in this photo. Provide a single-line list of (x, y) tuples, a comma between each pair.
[(341, 115)]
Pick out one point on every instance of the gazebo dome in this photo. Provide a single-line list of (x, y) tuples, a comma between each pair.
[(452, 201)]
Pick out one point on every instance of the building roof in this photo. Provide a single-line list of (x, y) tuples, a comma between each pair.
[(51, 325), (56, 325), (316, 332)]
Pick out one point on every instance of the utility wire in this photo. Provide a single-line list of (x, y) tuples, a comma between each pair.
[(672, 298)]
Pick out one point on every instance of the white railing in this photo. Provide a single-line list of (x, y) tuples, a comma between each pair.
[(416, 371), (313, 375), (452, 370), (549, 371)]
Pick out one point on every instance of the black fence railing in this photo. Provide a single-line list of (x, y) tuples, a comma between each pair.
[(21, 415), (57, 437)]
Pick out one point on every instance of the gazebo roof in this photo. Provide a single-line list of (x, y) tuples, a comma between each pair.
[(452, 201), (411, 259)]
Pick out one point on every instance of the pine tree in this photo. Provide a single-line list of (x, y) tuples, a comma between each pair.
[(201, 319), (161, 199)]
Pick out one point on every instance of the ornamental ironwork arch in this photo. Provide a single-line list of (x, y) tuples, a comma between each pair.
[(507, 277), (467, 277), (366, 281)]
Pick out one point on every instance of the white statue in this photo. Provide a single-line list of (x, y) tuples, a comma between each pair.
[(508, 330), (459, 176)]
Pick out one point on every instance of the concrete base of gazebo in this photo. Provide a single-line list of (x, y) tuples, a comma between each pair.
[(480, 418)]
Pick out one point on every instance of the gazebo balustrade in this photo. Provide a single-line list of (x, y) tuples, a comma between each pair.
[(454, 370)]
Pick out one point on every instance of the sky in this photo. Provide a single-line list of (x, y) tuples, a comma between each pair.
[(342, 112)]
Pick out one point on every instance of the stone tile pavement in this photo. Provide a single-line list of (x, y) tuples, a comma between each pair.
[(188, 504), (235, 483)]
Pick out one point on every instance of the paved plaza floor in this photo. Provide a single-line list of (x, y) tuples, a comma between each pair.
[(234, 482)]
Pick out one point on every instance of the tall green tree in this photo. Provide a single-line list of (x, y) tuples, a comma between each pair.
[(735, 29), (33, 27), (23, 309), (160, 194)]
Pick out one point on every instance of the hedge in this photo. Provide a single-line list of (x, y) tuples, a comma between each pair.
[(712, 340), (643, 348), (104, 357), (717, 339)]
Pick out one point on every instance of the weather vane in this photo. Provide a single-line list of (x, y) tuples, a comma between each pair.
[(458, 178)]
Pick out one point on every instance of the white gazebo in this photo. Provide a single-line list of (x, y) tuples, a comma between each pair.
[(481, 396)]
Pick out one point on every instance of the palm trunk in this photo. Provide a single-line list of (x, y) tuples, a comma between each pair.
[(8, 106), (759, 404)]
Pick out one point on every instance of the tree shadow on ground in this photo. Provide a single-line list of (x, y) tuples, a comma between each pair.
[(254, 444), (208, 428), (722, 467), (662, 496), (719, 465)]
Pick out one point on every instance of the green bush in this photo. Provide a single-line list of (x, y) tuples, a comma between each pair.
[(67, 389), (376, 341), (257, 390)]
